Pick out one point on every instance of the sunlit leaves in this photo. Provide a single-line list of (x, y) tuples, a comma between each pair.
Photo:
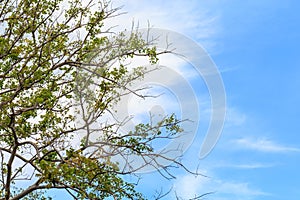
[(58, 64)]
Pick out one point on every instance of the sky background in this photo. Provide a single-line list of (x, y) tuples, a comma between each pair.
[(255, 45)]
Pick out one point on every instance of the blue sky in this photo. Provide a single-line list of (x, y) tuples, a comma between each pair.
[(255, 45)]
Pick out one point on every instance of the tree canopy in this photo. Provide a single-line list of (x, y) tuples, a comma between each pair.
[(61, 70)]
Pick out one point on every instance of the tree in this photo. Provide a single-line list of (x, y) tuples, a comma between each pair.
[(60, 72)]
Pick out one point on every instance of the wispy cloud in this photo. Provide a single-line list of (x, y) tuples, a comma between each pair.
[(240, 189), (253, 166), (248, 166), (191, 18), (188, 17), (264, 145), (189, 186)]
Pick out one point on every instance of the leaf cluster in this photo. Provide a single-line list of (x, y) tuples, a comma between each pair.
[(58, 63)]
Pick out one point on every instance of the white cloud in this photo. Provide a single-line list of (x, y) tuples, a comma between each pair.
[(187, 17), (239, 189), (250, 166), (263, 145), (241, 166), (192, 18), (189, 186)]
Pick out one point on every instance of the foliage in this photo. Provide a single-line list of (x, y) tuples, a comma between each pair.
[(59, 65)]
